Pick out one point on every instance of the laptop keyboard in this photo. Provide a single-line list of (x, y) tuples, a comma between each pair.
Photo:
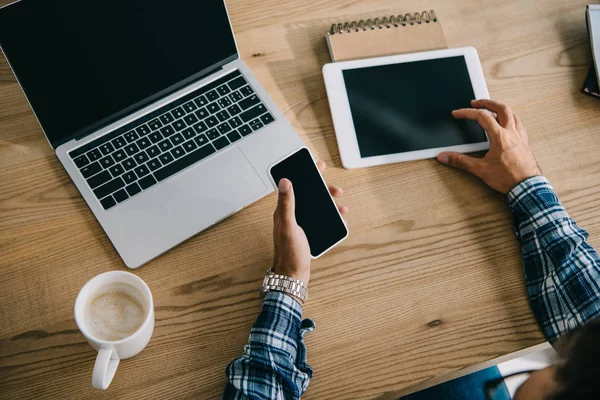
[(134, 158)]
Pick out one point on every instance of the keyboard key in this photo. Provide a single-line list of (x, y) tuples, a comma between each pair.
[(234, 136), (212, 95), (235, 96), (245, 130), (154, 164), (109, 188), (153, 151), (142, 130), (99, 179), (131, 136), (267, 118), (121, 196), (213, 134), (147, 182), (213, 108), (190, 119), (165, 158), (201, 101), (179, 125), (234, 109), (141, 157), (133, 189), (91, 169), (94, 155), (246, 91), (116, 170), (108, 202), (190, 146), (202, 113), (201, 140), (155, 137), (224, 128), (177, 139), (128, 164), (119, 155), (129, 177), (223, 90), (235, 122), (188, 133), (142, 170), (178, 112), (81, 161), (257, 126), (189, 106), (253, 113), (165, 145), (143, 143), (166, 119), (167, 131), (131, 149), (200, 127), (184, 162), (221, 143), (211, 121), (107, 162), (224, 102), (155, 124), (248, 102), (106, 148), (118, 142), (222, 115), (237, 83), (178, 152)]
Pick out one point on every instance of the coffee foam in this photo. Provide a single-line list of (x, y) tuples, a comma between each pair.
[(115, 312)]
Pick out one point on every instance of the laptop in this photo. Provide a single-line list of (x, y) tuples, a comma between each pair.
[(160, 125)]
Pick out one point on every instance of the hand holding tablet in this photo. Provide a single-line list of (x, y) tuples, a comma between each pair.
[(399, 108)]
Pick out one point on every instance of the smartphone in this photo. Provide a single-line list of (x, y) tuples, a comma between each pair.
[(316, 211)]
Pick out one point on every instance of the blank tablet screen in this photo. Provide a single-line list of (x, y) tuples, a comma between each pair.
[(406, 107)]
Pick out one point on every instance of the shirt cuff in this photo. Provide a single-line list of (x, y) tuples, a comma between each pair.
[(534, 204)]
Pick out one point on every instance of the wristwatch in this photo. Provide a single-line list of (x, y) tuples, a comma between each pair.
[(286, 284)]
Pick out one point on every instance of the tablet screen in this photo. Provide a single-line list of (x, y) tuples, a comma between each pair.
[(406, 107)]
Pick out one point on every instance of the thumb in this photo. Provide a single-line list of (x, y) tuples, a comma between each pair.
[(461, 161), (286, 204)]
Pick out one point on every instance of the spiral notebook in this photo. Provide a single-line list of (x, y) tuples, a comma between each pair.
[(384, 36)]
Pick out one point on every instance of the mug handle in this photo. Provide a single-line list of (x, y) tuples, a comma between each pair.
[(105, 367)]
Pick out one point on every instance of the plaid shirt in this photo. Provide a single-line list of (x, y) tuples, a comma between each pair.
[(563, 281)]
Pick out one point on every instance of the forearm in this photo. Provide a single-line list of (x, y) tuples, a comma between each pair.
[(273, 365), (562, 271)]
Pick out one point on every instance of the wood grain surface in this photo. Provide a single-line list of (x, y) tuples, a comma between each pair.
[(430, 280)]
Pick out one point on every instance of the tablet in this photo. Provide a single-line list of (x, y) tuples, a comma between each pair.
[(399, 108)]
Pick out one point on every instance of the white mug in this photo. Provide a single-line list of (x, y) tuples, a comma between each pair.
[(111, 351)]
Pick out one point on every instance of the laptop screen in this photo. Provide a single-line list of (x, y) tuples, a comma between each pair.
[(83, 63)]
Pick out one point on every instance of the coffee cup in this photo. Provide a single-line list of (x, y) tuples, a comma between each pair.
[(115, 313)]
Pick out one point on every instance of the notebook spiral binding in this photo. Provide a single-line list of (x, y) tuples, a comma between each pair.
[(395, 20)]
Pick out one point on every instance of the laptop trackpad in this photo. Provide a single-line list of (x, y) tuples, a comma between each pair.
[(211, 191)]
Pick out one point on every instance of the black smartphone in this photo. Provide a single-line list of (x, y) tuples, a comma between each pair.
[(316, 211)]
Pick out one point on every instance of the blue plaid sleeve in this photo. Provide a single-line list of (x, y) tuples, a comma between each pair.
[(562, 271), (273, 365)]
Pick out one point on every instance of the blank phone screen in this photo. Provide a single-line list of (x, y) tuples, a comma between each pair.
[(316, 212)]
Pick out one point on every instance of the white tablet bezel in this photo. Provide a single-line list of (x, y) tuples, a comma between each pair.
[(342, 116)]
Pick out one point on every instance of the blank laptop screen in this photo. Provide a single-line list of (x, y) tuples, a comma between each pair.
[(83, 62)]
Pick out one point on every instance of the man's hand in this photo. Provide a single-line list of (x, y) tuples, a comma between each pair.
[(509, 160), (292, 254)]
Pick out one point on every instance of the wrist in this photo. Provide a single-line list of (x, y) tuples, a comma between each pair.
[(292, 273), (277, 282)]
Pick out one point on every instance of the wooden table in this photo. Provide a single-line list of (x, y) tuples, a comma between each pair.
[(429, 281)]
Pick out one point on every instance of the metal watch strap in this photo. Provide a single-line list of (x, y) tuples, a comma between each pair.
[(286, 284)]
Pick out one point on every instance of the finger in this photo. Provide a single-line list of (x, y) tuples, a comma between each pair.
[(335, 191), (483, 118), (520, 128), (321, 165), (503, 111), (461, 161), (286, 203), (343, 210)]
